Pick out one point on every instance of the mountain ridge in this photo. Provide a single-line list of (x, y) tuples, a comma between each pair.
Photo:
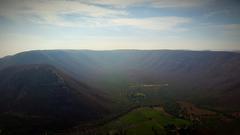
[(191, 75)]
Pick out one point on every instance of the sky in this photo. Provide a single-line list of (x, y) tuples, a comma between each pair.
[(119, 24)]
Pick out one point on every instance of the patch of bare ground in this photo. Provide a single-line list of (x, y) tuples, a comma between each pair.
[(161, 109), (192, 111)]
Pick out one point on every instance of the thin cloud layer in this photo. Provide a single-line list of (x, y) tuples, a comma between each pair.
[(153, 23), (57, 12), (152, 3), (45, 9)]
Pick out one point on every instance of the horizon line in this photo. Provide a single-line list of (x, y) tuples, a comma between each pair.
[(99, 50)]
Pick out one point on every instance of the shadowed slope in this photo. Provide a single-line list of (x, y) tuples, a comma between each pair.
[(44, 94)]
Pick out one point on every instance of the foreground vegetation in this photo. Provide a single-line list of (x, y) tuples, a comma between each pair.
[(146, 120), (150, 113)]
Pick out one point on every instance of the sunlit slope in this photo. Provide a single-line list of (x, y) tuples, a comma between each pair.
[(146, 121)]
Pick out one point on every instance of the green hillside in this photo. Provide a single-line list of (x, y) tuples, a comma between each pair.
[(145, 121)]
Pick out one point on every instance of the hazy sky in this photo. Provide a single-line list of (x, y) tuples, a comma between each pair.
[(119, 24)]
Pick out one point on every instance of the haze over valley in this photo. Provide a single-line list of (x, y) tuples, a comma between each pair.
[(116, 67)]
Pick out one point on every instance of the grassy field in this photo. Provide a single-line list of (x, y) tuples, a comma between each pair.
[(144, 121)]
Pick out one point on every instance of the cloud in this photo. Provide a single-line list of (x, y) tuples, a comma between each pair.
[(119, 3), (151, 3), (215, 13), (61, 12), (231, 27), (230, 30), (178, 3), (50, 10), (153, 23), (220, 27)]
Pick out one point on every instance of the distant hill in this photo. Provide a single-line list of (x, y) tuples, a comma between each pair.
[(204, 77), (46, 97)]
